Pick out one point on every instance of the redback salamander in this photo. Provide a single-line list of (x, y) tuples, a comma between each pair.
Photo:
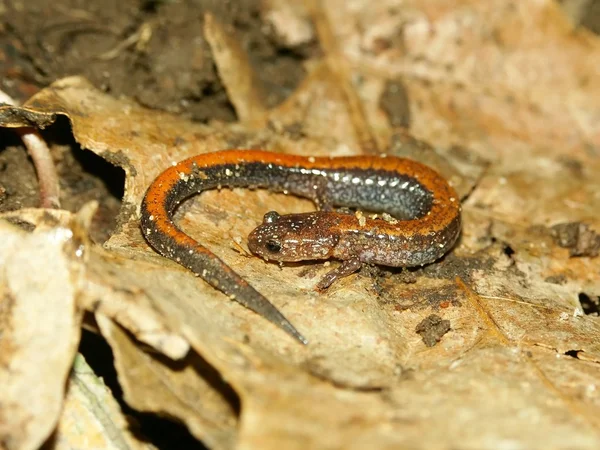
[(422, 221)]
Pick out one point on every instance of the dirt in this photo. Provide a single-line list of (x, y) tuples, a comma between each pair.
[(578, 238), (153, 51), (18, 185), (394, 101), (432, 329)]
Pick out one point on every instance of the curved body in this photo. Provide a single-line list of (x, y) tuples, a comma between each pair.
[(422, 220)]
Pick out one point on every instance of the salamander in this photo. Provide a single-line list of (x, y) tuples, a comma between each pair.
[(419, 216)]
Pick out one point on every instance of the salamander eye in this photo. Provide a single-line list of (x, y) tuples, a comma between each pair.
[(273, 246), (271, 217)]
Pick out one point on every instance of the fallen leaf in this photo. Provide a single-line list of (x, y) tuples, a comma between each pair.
[(40, 280), (189, 389), (91, 417)]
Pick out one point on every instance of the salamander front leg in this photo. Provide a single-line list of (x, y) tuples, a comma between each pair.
[(322, 196), (347, 267)]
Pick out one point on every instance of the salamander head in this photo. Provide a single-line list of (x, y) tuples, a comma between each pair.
[(293, 237)]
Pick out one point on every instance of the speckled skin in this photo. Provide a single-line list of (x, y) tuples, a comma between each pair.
[(428, 210)]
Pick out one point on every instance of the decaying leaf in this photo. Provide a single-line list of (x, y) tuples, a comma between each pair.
[(91, 417), (190, 389), (507, 95), (108, 287), (40, 280)]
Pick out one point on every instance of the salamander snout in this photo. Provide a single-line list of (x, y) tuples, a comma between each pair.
[(293, 237)]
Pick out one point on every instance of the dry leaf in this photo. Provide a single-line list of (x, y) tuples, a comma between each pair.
[(108, 287), (91, 417), (190, 389), (40, 279)]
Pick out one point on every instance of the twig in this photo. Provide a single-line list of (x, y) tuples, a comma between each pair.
[(42, 160)]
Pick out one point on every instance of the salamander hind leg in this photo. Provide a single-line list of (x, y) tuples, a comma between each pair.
[(346, 268)]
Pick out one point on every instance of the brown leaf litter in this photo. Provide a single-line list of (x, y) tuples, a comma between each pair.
[(506, 93)]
